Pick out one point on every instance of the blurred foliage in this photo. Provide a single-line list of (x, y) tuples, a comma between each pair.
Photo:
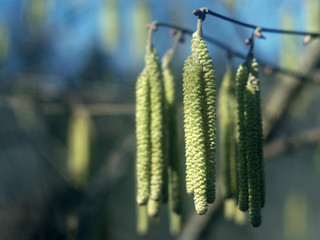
[(80, 135), (56, 55), (296, 217), (109, 25)]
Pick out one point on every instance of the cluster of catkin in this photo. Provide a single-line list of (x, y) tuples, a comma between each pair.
[(157, 158), (242, 140), (199, 124)]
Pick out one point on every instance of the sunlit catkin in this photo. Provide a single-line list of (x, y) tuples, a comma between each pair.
[(153, 69), (241, 81), (254, 79), (194, 132), (253, 161), (143, 137), (79, 146), (228, 120), (200, 50)]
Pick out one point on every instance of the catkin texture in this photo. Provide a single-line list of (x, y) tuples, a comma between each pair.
[(188, 106), (143, 137), (79, 146), (228, 121), (253, 161), (241, 81), (200, 50), (172, 142), (254, 79), (194, 130), (153, 69)]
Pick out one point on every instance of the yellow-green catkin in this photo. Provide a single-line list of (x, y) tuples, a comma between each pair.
[(228, 121), (253, 161), (142, 220), (79, 146), (200, 50), (157, 132), (143, 161), (254, 78), (241, 82), (194, 132)]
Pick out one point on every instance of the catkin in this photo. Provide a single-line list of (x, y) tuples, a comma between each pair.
[(253, 161), (194, 131), (228, 121), (143, 137), (172, 142), (153, 69), (200, 50), (241, 81), (188, 105), (254, 75)]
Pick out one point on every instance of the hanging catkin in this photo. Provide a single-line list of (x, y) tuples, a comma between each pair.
[(228, 121), (253, 161), (172, 141), (254, 75), (157, 124), (143, 137), (187, 91), (241, 81), (200, 50), (194, 133), (175, 198)]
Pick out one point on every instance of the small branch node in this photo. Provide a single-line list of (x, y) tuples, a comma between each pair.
[(307, 39)]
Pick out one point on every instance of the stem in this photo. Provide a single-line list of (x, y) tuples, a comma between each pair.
[(199, 28), (166, 59), (152, 26)]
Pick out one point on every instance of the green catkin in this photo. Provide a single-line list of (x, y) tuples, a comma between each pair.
[(188, 126), (253, 161), (143, 137), (157, 124), (172, 142), (241, 81), (254, 73), (194, 131), (175, 198), (199, 48), (228, 121)]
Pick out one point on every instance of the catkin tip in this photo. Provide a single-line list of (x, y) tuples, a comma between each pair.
[(256, 221), (153, 208)]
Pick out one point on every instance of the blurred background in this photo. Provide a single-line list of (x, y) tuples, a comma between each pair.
[(67, 128)]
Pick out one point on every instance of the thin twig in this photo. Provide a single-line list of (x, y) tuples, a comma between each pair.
[(268, 68), (263, 29)]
